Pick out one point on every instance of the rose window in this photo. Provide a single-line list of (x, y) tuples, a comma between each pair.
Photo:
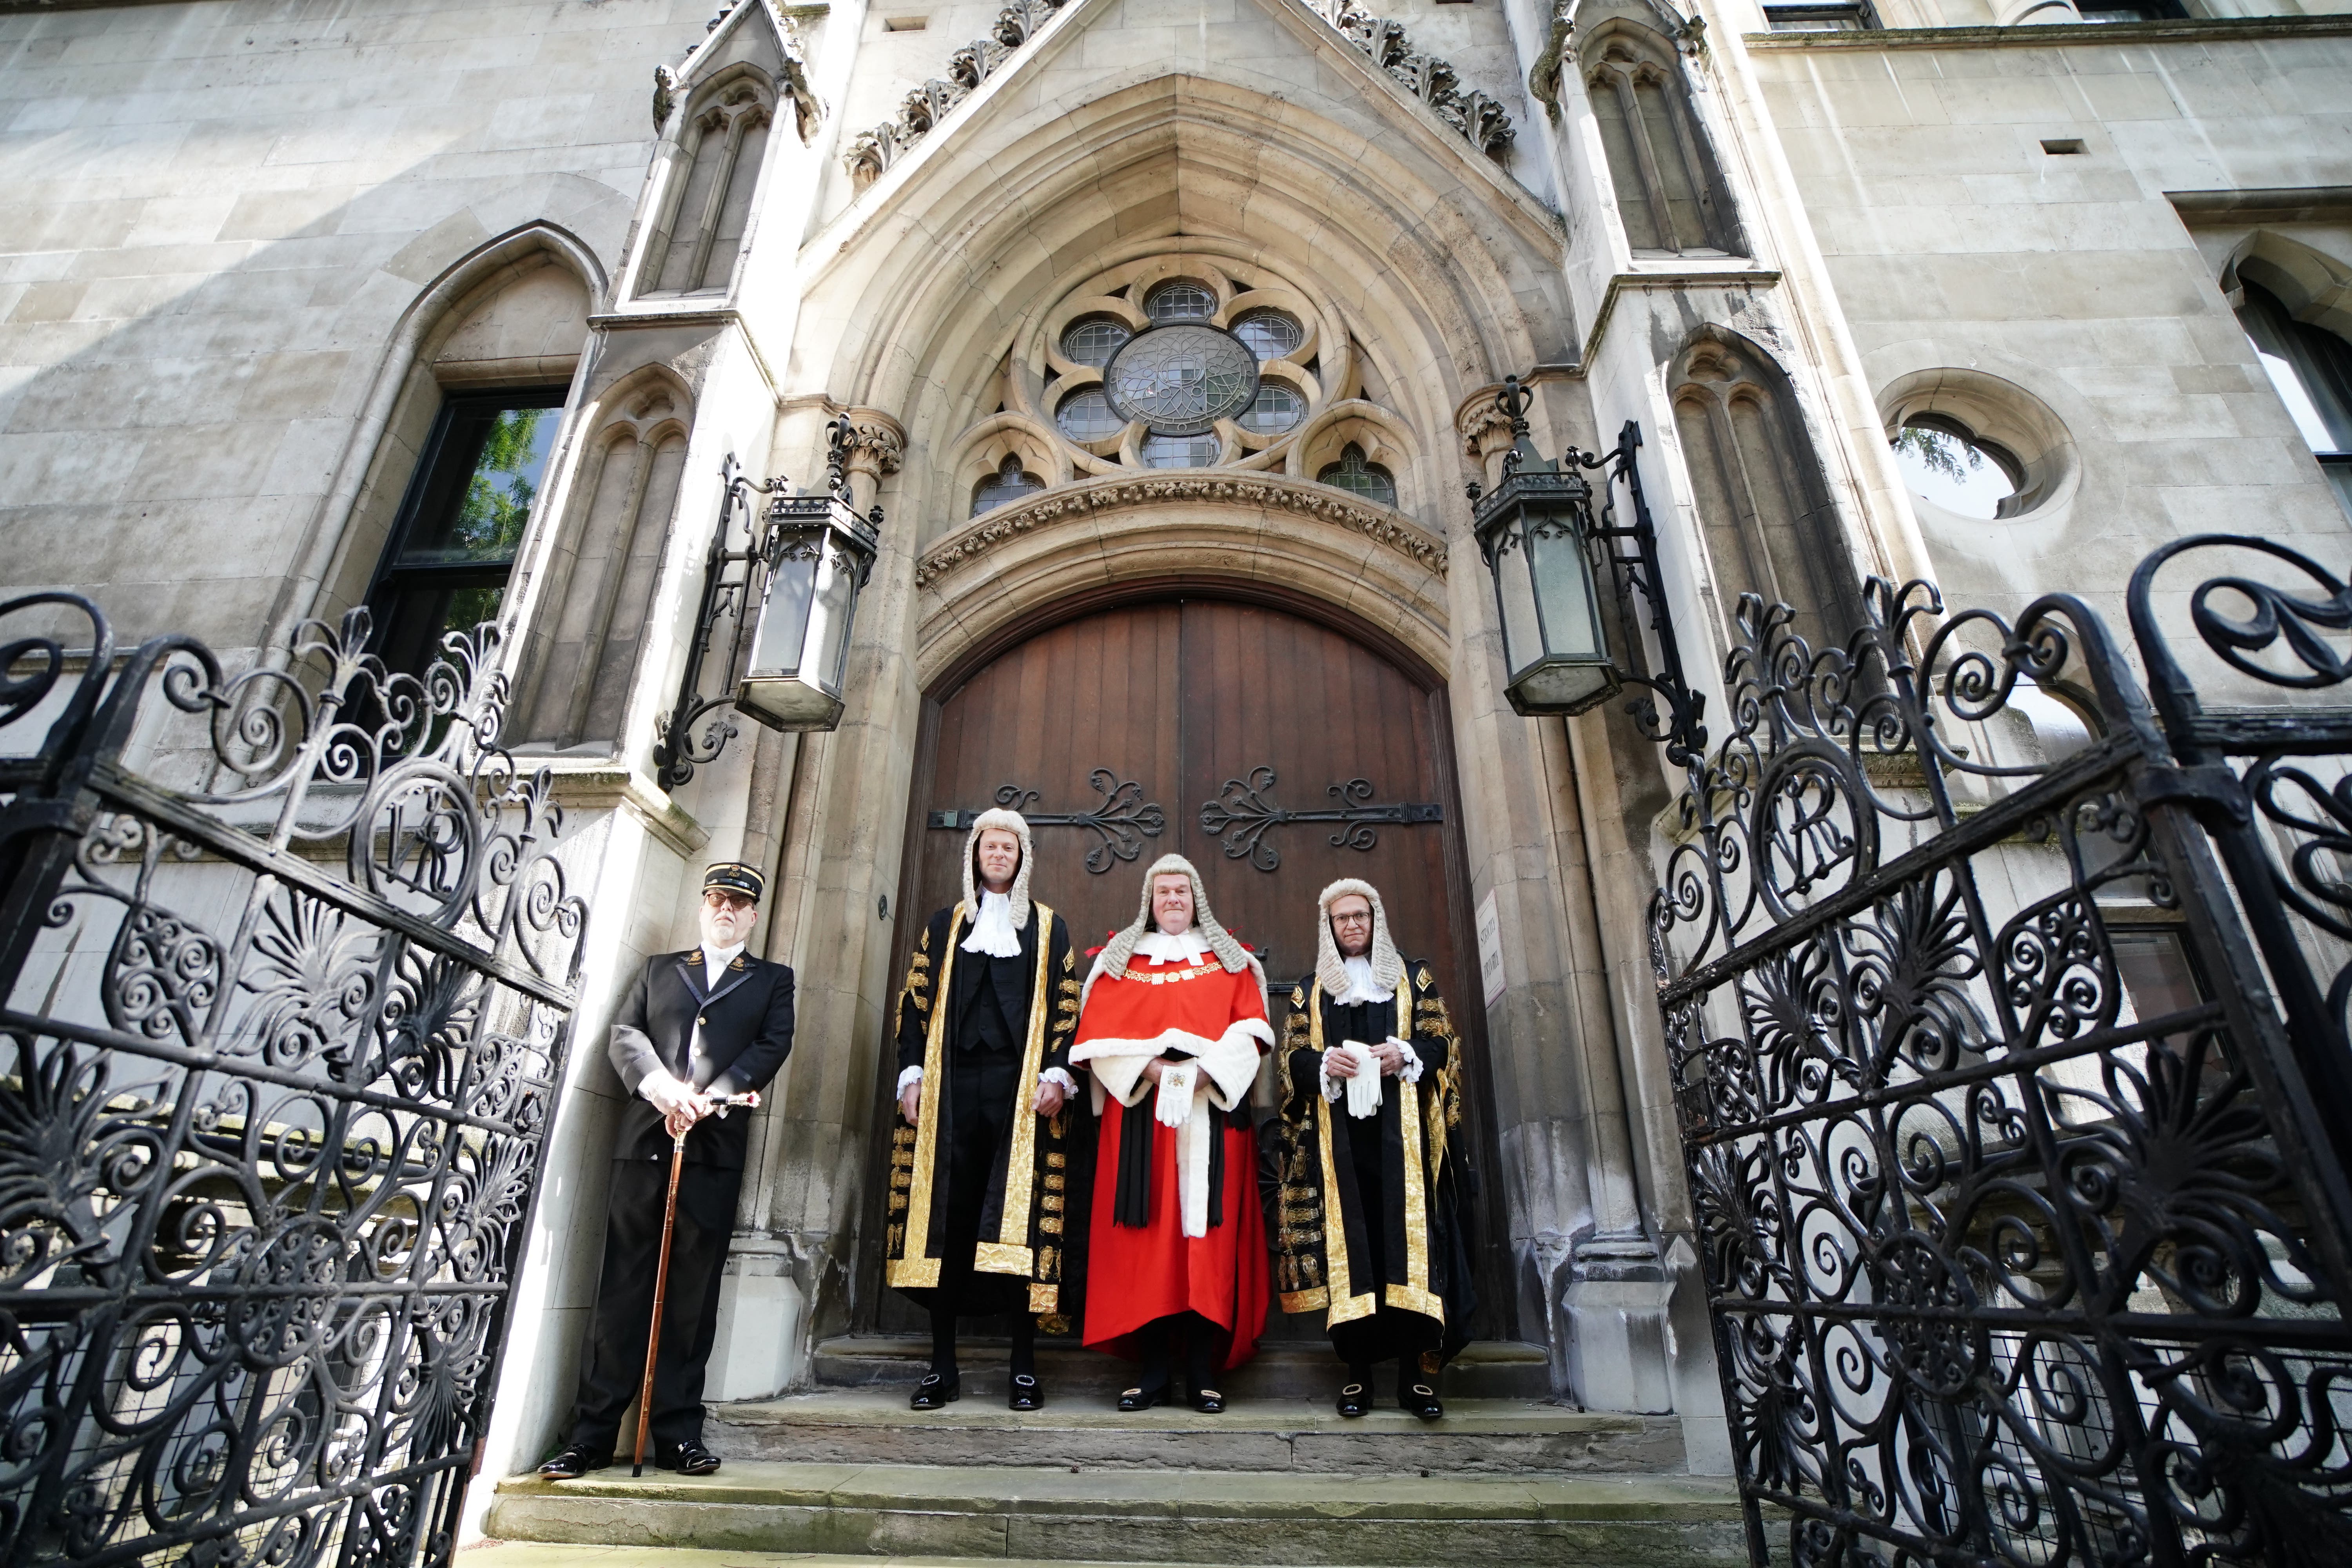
[(1181, 380)]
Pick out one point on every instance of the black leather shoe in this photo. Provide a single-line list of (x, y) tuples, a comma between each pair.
[(571, 1462), (936, 1392), (1354, 1399), (1421, 1400), (1208, 1401), (1135, 1399), (688, 1458), (1026, 1395)]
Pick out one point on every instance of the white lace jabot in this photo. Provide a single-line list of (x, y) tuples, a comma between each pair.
[(1161, 948), (1361, 984), (993, 933)]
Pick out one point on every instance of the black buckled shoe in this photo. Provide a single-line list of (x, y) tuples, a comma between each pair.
[(936, 1392), (571, 1462), (1133, 1399), (1355, 1399), (1208, 1401), (1421, 1400), (1026, 1395), (688, 1458)]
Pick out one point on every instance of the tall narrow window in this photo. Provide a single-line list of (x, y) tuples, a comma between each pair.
[(462, 520), (695, 247), (2312, 369), (1668, 192), (1770, 530)]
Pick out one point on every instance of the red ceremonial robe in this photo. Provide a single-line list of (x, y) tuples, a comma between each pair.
[(1177, 1261)]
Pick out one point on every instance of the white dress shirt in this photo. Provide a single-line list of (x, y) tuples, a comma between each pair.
[(715, 961)]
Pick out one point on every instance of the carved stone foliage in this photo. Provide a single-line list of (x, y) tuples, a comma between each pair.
[(1322, 504), (872, 151), (1482, 121)]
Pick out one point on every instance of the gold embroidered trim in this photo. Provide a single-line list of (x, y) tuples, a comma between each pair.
[(909, 1267), (1045, 1298), (1347, 1306), (997, 1257), (1051, 1224), (1199, 972)]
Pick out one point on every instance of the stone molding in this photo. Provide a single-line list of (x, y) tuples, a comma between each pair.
[(2200, 30), (1476, 117), (877, 443), (873, 152), (1269, 491), (1478, 421)]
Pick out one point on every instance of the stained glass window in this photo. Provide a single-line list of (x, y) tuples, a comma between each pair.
[(1270, 334), (1276, 409), (1352, 472), (1009, 483), (1181, 380), (1094, 340), (1180, 451), (1086, 416), (1181, 300)]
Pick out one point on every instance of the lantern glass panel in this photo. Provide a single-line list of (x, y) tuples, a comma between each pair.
[(1562, 577), (1515, 598)]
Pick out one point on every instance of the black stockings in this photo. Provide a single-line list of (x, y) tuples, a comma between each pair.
[(1205, 1345), (943, 1343)]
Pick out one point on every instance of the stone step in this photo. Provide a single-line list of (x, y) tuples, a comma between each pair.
[(1477, 1436), (1487, 1369), (1160, 1516)]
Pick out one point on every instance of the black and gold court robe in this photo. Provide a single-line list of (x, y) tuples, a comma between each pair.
[(1030, 1198), (1390, 1267)]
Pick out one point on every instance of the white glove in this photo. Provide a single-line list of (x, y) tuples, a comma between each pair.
[(666, 1093), (1174, 1106)]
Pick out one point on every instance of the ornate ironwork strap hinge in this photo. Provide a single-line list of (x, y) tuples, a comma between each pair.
[(1123, 821), (2211, 790), (1242, 812)]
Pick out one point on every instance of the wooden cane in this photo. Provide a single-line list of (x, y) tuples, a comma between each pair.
[(661, 1277)]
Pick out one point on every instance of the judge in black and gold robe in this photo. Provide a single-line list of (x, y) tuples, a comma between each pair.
[(1369, 1230), (981, 1199)]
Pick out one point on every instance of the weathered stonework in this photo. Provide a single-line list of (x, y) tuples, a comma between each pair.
[(1120, 495)]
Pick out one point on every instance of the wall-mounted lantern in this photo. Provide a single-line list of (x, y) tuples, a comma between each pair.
[(1544, 545), (793, 603)]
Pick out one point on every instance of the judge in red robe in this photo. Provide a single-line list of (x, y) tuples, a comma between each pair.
[(1173, 1025)]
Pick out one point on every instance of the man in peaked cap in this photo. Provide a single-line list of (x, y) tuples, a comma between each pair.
[(696, 1027), (979, 1167), (1369, 1232)]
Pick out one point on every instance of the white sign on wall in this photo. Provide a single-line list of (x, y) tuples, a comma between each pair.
[(1490, 947)]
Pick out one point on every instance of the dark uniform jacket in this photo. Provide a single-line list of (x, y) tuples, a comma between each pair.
[(747, 1033), (1323, 1246), (1023, 1011)]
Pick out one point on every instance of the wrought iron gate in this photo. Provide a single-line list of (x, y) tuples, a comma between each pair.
[(283, 1010), (2006, 1012)]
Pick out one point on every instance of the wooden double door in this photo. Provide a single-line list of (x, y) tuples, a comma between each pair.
[(1273, 751)]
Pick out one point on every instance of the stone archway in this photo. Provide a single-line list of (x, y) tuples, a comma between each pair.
[(1173, 715)]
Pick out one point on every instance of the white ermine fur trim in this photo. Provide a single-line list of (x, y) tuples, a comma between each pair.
[(1388, 965), (1012, 822)]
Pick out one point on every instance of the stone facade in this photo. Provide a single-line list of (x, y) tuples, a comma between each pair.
[(250, 248)]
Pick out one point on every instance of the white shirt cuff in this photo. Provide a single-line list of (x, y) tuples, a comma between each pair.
[(1331, 1086), (907, 1076), (1054, 1075), (660, 1078), (1410, 1070)]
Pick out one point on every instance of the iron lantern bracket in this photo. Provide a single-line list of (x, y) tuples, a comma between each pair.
[(679, 748), (1629, 550)]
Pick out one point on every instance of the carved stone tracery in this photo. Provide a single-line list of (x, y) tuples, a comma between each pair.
[(1317, 501), (872, 151)]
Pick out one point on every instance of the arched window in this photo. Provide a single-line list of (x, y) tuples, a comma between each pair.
[(1770, 530), (1008, 484), (2312, 369), (1352, 472), (1669, 195), (694, 248)]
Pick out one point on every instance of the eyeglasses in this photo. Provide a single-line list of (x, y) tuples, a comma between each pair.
[(1352, 919)]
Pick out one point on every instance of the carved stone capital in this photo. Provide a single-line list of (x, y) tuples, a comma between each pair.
[(1484, 428), (875, 444)]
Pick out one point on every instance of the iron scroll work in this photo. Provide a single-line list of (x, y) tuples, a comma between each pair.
[(1120, 825), (287, 965), (2016, 1156), (1244, 809)]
